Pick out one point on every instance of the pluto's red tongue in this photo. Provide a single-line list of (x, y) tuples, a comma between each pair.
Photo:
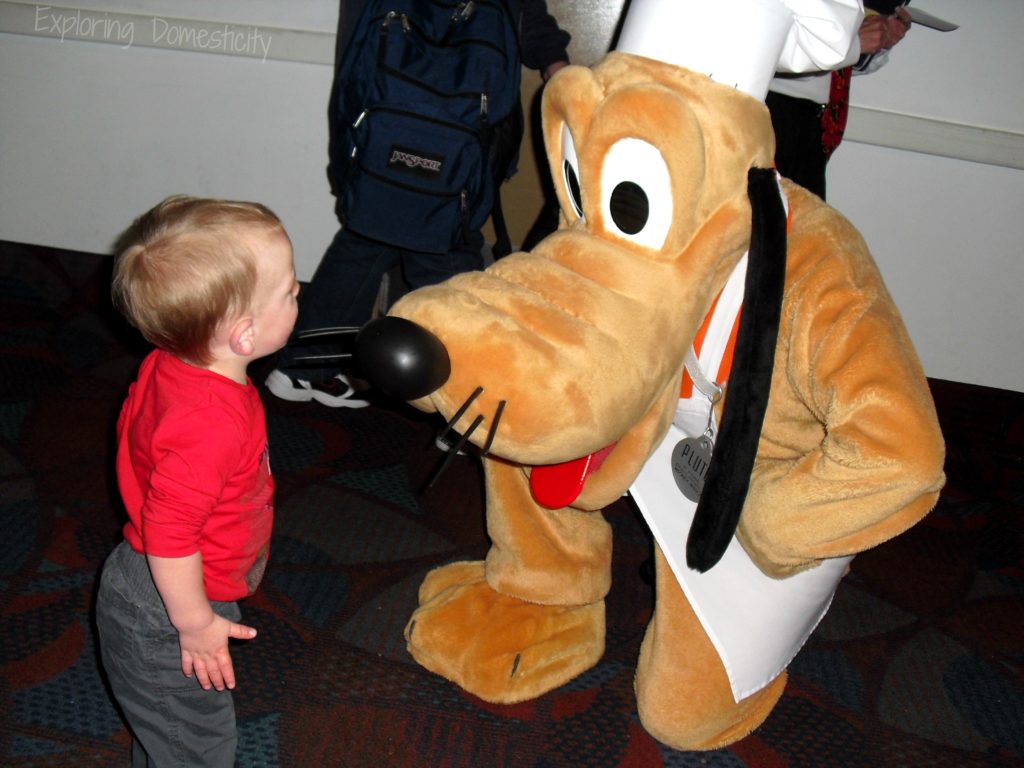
[(558, 485)]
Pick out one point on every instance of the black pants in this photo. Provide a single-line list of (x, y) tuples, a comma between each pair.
[(799, 155)]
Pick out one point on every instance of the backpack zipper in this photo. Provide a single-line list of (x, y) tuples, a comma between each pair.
[(462, 194), (464, 211), (391, 16), (460, 15), (461, 127)]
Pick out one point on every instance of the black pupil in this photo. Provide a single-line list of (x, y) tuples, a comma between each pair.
[(574, 188), (629, 207)]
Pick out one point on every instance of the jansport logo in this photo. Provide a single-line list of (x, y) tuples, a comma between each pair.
[(414, 161)]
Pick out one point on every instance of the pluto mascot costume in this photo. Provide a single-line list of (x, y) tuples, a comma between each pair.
[(754, 389)]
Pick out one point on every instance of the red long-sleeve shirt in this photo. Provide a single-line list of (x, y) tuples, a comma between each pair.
[(194, 472)]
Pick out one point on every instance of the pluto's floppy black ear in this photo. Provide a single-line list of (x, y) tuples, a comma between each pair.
[(728, 476)]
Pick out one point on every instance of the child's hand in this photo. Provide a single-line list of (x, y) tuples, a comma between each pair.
[(204, 651), (202, 634)]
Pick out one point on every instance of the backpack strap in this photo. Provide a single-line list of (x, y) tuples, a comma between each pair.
[(507, 138), (502, 241)]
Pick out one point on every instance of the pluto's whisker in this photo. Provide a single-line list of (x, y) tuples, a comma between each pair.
[(494, 428), (458, 414), (453, 451)]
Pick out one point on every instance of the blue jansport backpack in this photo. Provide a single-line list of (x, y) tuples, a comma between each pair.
[(427, 120)]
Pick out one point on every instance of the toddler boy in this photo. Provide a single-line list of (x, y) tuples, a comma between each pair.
[(211, 284)]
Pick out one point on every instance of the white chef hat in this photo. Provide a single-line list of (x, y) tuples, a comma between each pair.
[(742, 43)]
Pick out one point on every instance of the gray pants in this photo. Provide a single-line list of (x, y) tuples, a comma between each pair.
[(173, 720)]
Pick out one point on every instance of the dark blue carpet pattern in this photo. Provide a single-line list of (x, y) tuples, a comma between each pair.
[(920, 662)]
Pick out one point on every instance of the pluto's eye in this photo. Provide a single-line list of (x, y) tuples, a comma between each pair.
[(629, 207), (636, 193), (571, 173)]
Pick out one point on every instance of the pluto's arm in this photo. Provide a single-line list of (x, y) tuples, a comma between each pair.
[(851, 453)]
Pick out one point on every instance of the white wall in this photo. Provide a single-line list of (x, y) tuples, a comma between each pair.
[(949, 245), (92, 134), (932, 170)]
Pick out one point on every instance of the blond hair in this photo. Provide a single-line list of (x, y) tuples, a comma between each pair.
[(184, 266)]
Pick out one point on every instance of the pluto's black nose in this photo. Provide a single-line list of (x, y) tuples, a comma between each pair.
[(401, 358)]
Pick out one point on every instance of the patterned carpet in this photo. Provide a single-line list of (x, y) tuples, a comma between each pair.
[(920, 662)]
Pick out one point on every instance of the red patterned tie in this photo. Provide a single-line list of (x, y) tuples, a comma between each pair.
[(833, 119)]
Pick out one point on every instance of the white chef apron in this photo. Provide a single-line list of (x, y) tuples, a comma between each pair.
[(757, 624)]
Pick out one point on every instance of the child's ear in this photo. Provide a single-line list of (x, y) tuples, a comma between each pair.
[(242, 337)]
